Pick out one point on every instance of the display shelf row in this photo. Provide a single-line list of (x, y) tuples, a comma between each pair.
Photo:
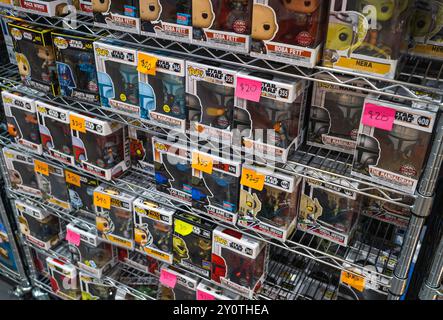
[(10, 274)]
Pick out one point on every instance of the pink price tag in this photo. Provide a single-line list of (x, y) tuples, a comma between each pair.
[(168, 279), (201, 295), (248, 89), (379, 117), (73, 237)]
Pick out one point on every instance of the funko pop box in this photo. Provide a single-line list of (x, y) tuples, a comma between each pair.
[(114, 218), (209, 291), (184, 288), (81, 191), (270, 209), (101, 147), (40, 227), (387, 212), (93, 288), (289, 31), (64, 279), (122, 15), (166, 19), (22, 121), (153, 227), (238, 261), (35, 56), (394, 158), (192, 243), (272, 126), (75, 63), (224, 24), (49, 8)]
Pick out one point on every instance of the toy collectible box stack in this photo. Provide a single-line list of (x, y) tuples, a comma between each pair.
[(118, 78), (81, 191), (177, 285), (21, 172), (364, 35), (55, 132), (101, 147), (208, 291), (21, 117), (38, 226), (49, 8), (192, 243), (215, 190), (210, 91), (76, 67), (274, 124), (238, 261), (162, 95), (335, 116), (35, 56), (166, 19), (153, 227), (64, 279), (140, 146), (114, 219), (288, 31), (93, 288), (91, 254), (387, 212), (223, 24), (329, 211), (270, 205), (173, 169), (120, 15), (395, 153)]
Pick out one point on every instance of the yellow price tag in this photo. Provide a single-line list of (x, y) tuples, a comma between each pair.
[(147, 64), (250, 178), (355, 281), (202, 162), (41, 167), (102, 200), (72, 178), (182, 227), (77, 123)]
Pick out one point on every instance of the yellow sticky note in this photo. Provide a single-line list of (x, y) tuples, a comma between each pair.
[(102, 200), (147, 64), (252, 179), (72, 178), (77, 123), (41, 167), (202, 162), (355, 281)]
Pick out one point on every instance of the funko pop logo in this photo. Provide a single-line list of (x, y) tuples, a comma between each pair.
[(221, 240), (17, 34), (60, 42), (41, 109), (7, 100), (196, 72), (140, 210), (102, 52)]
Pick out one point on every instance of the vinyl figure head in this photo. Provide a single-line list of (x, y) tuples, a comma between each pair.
[(264, 24), (101, 5), (150, 10), (301, 6), (202, 13), (45, 53), (384, 9), (24, 69)]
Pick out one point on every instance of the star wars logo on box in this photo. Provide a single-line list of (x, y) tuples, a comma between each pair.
[(22, 122), (222, 24), (335, 115), (50, 8), (35, 56), (166, 19), (192, 243), (184, 289), (81, 191), (96, 289), (120, 15), (272, 126), (63, 278), (288, 31), (141, 150), (210, 91), (75, 62), (238, 261), (162, 96), (272, 210), (21, 174), (394, 158)]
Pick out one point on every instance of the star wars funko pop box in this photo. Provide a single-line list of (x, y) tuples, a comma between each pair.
[(238, 261), (176, 284), (224, 24), (22, 121), (38, 226), (114, 220), (101, 147), (392, 143), (192, 243), (122, 15), (55, 132), (384, 211), (166, 19), (153, 227), (268, 201), (21, 172), (365, 35), (93, 288), (81, 191), (334, 117), (35, 56), (64, 279), (289, 31), (49, 8), (75, 62), (208, 291), (140, 146), (272, 126), (329, 211), (210, 89)]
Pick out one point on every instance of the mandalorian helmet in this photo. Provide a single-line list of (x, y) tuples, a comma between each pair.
[(403, 140), (320, 122), (217, 104), (367, 152)]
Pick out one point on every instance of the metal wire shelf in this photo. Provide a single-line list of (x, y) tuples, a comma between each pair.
[(10, 274)]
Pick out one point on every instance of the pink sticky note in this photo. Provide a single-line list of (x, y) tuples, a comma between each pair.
[(168, 279), (73, 237), (378, 116), (248, 89), (201, 295)]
